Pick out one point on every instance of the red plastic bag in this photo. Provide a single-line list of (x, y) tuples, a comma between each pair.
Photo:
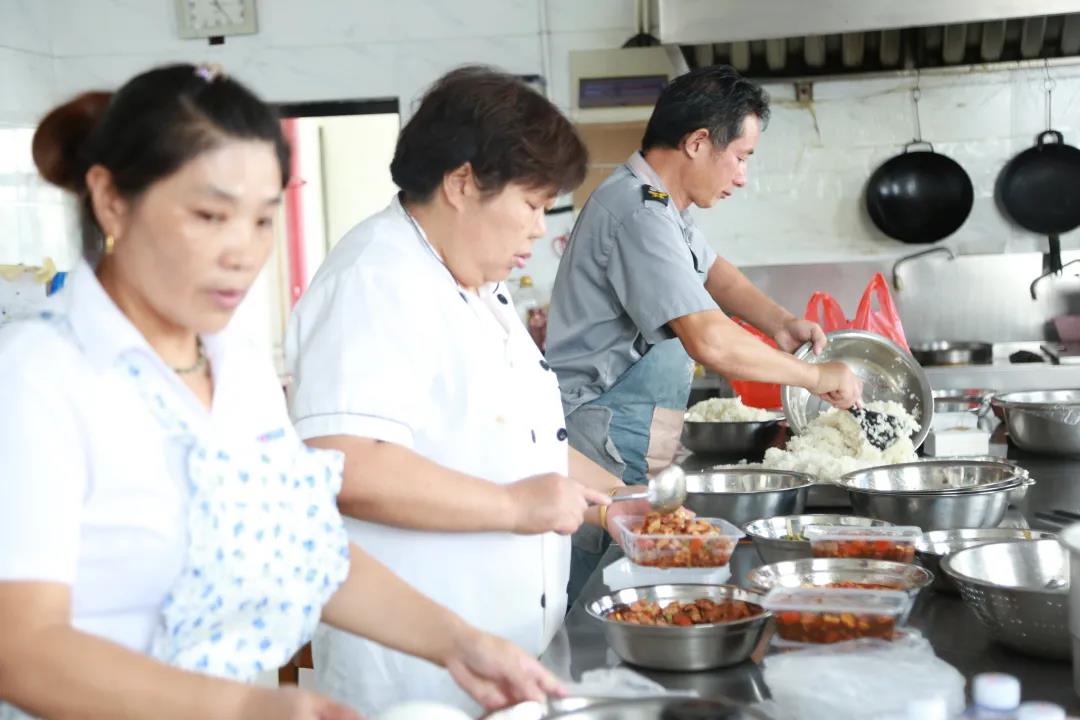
[(885, 320), (757, 394)]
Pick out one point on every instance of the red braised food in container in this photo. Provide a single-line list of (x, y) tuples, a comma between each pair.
[(699, 612), (880, 543), (830, 615), (678, 539)]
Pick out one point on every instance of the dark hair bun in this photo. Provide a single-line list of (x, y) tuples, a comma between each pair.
[(61, 136)]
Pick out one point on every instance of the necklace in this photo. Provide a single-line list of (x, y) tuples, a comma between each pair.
[(200, 361)]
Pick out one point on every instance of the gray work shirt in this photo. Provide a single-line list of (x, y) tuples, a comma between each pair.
[(634, 263)]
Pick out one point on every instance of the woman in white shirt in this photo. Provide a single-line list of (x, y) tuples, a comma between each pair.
[(163, 531), (407, 355)]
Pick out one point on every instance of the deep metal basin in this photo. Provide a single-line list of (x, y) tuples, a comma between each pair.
[(734, 439), (933, 546), (888, 373), (697, 647), (771, 535), (740, 496), (1045, 421)]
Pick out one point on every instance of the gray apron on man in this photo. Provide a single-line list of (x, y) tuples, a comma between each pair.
[(633, 264)]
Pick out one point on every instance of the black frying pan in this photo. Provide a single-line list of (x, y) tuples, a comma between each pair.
[(919, 197), (1038, 190)]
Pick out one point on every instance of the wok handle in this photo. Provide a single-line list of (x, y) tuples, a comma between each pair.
[(1058, 137), (1055, 254), (913, 143)]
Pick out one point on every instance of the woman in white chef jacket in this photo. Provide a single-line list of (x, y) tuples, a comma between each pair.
[(407, 355), (163, 531)]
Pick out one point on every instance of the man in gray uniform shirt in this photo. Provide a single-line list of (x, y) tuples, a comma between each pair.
[(639, 292)]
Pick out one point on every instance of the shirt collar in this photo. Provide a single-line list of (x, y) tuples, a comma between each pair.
[(104, 333), (640, 167), (415, 229)]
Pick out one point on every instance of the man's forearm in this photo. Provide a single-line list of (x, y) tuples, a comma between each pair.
[(739, 297)]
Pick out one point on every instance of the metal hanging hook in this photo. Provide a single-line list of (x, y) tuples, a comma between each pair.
[(916, 94), (1048, 84)]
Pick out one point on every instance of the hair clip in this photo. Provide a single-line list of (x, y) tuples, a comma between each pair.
[(209, 71)]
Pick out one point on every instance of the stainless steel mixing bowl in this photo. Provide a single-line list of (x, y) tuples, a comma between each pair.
[(732, 439), (934, 545), (1019, 590), (935, 495), (821, 572), (772, 536), (742, 495), (888, 372), (696, 647), (1045, 421)]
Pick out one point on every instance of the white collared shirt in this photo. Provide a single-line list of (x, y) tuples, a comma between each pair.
[(92, 490), (386, 345)]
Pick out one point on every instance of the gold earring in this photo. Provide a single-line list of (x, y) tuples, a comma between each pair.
[(110, 244)]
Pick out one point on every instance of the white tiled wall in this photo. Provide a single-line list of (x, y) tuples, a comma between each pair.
[(804, 202)]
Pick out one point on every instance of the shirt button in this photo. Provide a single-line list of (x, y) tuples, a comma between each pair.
[(543, 600), (544, 365), (533, 435), (502, 299), (561, 435)]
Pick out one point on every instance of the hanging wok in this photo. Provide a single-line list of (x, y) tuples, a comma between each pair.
[(919, 197), (1038, 190)]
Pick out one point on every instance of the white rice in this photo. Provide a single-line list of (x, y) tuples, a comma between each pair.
[(833, 444), (727, 410)]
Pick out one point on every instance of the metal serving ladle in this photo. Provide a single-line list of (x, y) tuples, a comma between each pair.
[(666, 490)]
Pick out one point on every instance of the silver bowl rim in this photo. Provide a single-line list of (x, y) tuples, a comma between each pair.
[(961, 579), (1019, 477), (927, 411), (678, 629), (924, 540), (926, 577), (804, 480), (746, 527), (1002, 400), (735, 423)]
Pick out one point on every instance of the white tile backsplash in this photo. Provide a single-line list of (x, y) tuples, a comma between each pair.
[(25, 26), (27, 88)]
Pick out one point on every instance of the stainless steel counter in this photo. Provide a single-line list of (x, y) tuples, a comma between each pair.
[(954, 632)]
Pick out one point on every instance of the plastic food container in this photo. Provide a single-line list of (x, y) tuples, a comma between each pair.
[(668, 551), (829, 615), (896, 543)]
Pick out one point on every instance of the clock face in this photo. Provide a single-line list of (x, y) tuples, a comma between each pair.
[(203, 18), (209, 14)]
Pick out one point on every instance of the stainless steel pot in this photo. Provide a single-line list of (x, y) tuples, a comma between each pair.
[(949, 352), (740, 496), (697, 647), (1044, 421)]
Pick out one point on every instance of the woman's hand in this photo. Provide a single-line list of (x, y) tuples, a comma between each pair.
[(550, 503), (497, 673)]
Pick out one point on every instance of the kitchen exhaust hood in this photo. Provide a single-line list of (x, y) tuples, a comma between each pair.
[(800, 38)]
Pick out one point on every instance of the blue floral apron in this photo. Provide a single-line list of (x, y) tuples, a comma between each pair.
[(266, 548)]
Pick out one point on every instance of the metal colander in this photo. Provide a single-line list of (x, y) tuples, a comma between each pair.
[(1019, 590)]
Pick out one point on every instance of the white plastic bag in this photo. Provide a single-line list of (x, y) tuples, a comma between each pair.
[(861, 680)]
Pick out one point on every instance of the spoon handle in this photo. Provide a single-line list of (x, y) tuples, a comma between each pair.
[(632, 496)]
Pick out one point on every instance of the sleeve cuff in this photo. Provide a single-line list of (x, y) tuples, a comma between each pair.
[(365, 426)]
